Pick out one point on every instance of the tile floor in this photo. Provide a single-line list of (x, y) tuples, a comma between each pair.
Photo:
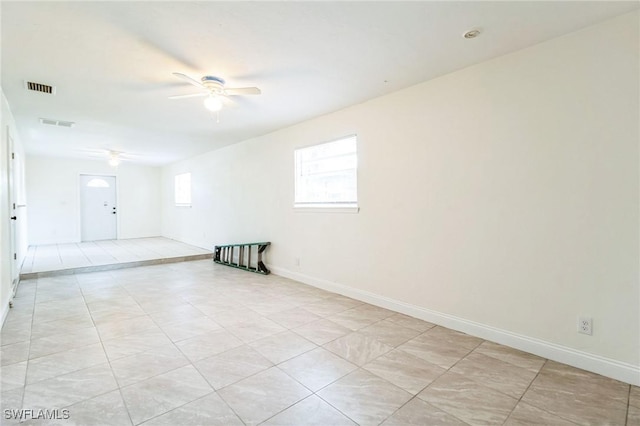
[(197, 343), (55, 257)]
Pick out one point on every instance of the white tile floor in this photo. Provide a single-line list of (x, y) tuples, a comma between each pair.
[(197, 343), (56, 257)]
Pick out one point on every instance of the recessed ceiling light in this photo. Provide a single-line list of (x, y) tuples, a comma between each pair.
[(471, 34)]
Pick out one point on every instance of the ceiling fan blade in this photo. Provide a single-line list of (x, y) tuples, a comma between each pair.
[(193, 95), (242, 91), (188, 79)]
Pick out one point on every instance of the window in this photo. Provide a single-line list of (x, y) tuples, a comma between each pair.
[(183, 189), (98, 183), (326, 174)]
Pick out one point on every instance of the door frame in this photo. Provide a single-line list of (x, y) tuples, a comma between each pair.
[(14, 268), (79, 198)]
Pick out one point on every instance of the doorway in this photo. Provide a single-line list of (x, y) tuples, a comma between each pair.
[(98, 210), (13, 213)]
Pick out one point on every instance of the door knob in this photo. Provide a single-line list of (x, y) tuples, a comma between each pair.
[(14, 218)]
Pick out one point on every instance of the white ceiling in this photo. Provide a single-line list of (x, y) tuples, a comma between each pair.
[(112, 62)]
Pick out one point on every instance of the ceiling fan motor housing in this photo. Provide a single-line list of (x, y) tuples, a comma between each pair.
[(215, 84)]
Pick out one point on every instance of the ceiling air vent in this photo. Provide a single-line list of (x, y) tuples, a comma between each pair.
[(39, 87), (58, 123)]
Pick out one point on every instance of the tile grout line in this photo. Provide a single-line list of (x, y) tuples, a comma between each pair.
[(59, 254), (127, 249), (422, 390), (214, 390), (105, 252), (307, 397), (32, 258), (626, 414), (191, 363), (107, 357), (274, 365), (519, 399), (446, 370), (26, 371), (86, 256), (197, 399), (90, 263), (525, 391), (357, 369), (135, 249), (362, 367), (533, 405), (333, 406)]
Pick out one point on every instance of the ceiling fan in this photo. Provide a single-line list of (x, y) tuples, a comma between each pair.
[(113, 157), (214, 90)]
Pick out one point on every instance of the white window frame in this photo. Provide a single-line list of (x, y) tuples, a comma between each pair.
[(350, 206), (179, 180)]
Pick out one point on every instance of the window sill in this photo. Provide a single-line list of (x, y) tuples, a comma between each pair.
[(319, 208), (183, 205)]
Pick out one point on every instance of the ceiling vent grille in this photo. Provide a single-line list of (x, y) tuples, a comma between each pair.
[(59, 123), (39, 87)]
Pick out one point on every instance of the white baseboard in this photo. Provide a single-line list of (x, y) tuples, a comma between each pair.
[(6, 307), (5, 312), (624, 372)]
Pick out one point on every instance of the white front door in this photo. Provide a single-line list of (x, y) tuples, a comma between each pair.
[(98, 207)]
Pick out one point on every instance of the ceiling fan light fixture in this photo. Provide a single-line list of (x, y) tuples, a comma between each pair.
[(213, 103), (114, 159)]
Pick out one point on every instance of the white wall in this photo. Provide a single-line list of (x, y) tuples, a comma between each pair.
[(54, 200), (501, 199), (6, 253)]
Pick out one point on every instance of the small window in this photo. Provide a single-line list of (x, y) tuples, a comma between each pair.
[(326, 174), (98, 183), (183, 189)]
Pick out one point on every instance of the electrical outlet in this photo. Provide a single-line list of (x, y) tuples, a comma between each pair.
[(297, 261), (585, 325)]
